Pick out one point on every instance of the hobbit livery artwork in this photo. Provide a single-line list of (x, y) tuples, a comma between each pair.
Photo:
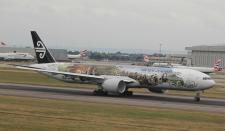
[(117, 79), (158, 77)]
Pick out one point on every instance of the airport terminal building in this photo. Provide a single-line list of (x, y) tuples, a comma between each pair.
[(205, 56), (59, 54)]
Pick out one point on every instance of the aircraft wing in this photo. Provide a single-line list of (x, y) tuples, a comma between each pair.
[(59, 72), (95, 78)]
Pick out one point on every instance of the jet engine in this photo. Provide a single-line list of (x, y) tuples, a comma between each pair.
[(155, 90), (114, 85)]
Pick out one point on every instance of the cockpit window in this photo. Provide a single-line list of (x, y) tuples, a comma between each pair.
[(206, 78)]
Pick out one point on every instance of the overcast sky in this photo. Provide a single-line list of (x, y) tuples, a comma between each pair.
[(133, 24)]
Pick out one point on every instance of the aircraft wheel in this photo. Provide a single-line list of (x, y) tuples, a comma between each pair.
[(197, 99), (100, 93), (129, 93)]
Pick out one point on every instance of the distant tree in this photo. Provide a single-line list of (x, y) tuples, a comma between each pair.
[(116, 56)]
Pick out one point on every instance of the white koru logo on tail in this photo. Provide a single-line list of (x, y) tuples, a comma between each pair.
[(40, 49)]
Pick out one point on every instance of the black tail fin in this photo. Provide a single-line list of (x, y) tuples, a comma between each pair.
[(42, 53)]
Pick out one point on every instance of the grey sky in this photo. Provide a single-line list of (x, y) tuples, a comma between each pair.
[(135, 24)]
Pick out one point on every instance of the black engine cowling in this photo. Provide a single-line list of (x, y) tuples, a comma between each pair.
[(114, 86)]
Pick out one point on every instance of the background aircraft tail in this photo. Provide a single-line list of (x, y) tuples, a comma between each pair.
[(42, 53), (146, 58), (2, 44), (83, 53), (217, 65)]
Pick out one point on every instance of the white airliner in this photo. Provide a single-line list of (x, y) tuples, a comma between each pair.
[(82, 54), (206, 70), (118, 79), (216, 68), (16, 56)]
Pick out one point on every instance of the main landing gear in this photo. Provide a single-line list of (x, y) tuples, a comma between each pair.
[(101, 92), (127, 93), (197, 97)]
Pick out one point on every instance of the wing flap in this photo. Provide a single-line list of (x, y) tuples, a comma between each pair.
[(60, 72)]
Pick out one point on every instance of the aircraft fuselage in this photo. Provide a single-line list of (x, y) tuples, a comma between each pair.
[(147, 77)]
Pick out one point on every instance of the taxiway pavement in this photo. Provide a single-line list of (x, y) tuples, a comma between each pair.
[(138, 99)]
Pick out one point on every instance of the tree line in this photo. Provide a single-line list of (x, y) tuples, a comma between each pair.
[(119, 56)]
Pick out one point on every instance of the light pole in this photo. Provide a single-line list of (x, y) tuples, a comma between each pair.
[(160, 48)]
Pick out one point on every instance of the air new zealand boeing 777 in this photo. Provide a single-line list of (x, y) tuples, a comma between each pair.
[(117, 79)]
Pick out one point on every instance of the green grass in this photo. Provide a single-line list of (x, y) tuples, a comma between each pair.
[(21, 113), (12, 75)]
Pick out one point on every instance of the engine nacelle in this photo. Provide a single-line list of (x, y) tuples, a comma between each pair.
[(155, 90), (114, 85)]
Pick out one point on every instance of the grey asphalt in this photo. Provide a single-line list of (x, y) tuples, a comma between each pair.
[(138, 99)]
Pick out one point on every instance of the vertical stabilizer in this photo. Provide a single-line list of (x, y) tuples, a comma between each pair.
[(217, 65), (42, 53), (146, 58)]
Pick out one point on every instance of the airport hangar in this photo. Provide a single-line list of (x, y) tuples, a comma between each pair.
[(205, 56), (59, 54)]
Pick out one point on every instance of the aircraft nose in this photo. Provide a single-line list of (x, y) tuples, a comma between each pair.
[(206, 84), (210, 84)]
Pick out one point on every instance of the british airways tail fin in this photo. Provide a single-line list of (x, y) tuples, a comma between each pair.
[(83, 53), (217, 65), (146, 58), (42, 53)]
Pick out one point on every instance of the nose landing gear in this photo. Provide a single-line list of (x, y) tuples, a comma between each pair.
[(197, 97)]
